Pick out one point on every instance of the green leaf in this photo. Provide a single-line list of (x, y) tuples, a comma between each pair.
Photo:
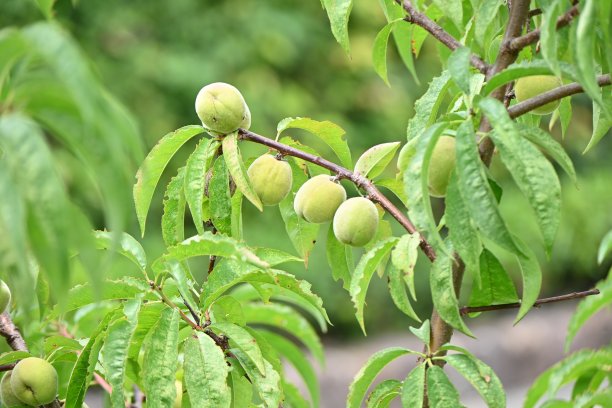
[(46, 7), (385, 392), (210, 244), (124, 244), (605, 247), (601, 123), (293, 398), (338, 12), (173, 218), (114, 358), (284, 317), (482, 378), (379, 50), (404, 258), (206, 372), (426, 108), (13, 219), (402, 34), (534, 175), (235, 165), (459, 68), (461, 230), (568, 369), (414, 387), (330, 133), (228, 309), (397, 289), (497, 287), (363, 379), (220, 199), (548, 34), (443, 293), (13, 356), (274, 257), (473, 183), (363, 274), (440, 390), (268, 386), (416, 185), (484, 15), (589, 307), (148, 317), (153, 166), (241, 387), (523, 69), (395, 185), (237, 215), (195, 178), (532, 280), (453, 9), (553, 148), (423, 333), (243, 340), (374, 160), (302, 233), (296, 357), (184, 281), (160, 360), (339, 258), (565, 115)]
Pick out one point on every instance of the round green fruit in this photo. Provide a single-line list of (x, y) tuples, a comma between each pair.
[(34, 381), (271, 179), (8, 396), (318, 199), (356, 221), (441, 166), (222, 109), (528, 87), (5, 296)]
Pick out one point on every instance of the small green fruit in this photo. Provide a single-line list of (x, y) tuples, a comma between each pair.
[(271, 179), (222, 109), (34, 381), (8, 396), (356, 221), (318, 199), (441, 166), (5, 296), (528, 87)]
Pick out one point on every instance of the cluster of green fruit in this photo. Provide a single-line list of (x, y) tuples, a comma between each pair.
[(222, 110)]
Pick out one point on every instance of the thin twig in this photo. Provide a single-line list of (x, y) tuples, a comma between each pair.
[(212, 259), (11, 333), (342, 173), (553, 95), (570, 296), (7, 367), (420, 19), (531, 37)]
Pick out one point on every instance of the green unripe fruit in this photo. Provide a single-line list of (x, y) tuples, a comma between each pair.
[(8, 396), (318, 199), (356, 221), (528, 87), (271, 179), (5, 296), (441, 166), (34, 381), (222, 109)]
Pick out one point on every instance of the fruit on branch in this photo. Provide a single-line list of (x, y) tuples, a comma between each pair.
[(441, 166), (271, 179), (318, 199), (356, 221), (8, 396), (5, 296), (531, 86), (34, 381), (222, 109)]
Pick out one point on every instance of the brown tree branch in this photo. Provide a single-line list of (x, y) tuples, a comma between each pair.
[(342, 173), (420, 19), (570, 296), (531, 37), (553, 95)]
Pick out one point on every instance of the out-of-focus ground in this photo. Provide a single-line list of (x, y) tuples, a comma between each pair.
[(518, 354)]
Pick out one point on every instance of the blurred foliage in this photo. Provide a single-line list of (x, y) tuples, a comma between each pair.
[(156, 55)]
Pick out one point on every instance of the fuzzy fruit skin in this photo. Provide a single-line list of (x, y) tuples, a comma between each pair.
[(528, 87), (318, 199), (8, 396), (34, 381), (222, 109), (356, 221), (271, 179), (5, 296), (441, 166)]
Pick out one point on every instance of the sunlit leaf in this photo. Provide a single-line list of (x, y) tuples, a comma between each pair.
[(338, 12), (497, 287), (126, 246), (235, 165), (385, 392)]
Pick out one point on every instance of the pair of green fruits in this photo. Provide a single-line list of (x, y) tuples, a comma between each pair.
[(319, 200), (32, 383)]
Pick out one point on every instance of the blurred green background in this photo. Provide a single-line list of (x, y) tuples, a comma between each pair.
[(156, 55)]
